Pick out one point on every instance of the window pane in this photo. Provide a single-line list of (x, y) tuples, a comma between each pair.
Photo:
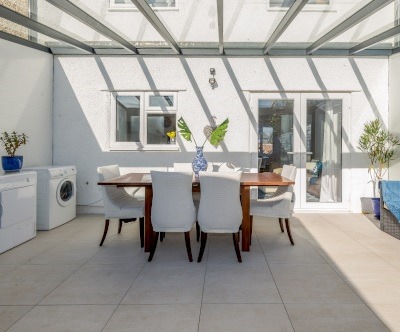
[(288, 3), (128, 119), (158, 126), (324, 151), (161, 101), (153, 3)]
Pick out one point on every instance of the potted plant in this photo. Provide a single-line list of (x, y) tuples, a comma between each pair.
[(214, 133), (380, 146), (11, 142)]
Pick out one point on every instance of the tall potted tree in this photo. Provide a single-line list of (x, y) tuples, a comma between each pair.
[(11, 142), (380, 146)]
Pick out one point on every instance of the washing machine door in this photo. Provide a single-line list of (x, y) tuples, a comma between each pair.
[(65, 192)]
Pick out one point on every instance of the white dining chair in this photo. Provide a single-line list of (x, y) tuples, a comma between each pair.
[(172, 208), (278, 204), (187, 167), (220, 210), (118, 204)]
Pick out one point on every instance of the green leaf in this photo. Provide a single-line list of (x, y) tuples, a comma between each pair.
[(184, 130), (218, 134)]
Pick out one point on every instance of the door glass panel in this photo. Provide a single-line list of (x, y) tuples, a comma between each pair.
[(324, 151), (275, 133)]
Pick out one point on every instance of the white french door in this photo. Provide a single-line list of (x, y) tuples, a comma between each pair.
[(310, 131)]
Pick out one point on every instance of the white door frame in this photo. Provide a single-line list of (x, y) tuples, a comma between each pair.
[(299, 144)]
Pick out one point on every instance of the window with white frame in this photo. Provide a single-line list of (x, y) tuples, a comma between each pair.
[(143, 121), (288, 3), (160, 4)]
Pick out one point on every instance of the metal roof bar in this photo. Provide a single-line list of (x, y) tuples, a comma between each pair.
[(349, 22), (376, 39), (290, 15), (70, 8), (24, 42), (27, 22), (153, 19), (396, 50), (220, 13)]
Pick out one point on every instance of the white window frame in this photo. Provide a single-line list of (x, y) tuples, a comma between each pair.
[(308, 7), (160, 93), (145, 110), (131, 7)]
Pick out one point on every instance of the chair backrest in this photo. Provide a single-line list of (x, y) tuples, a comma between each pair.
[(220, 210), (289, 172), (172, 208), (112, 196)]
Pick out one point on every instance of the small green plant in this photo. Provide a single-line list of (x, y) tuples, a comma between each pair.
[(214, 134), (12, 142), (380, 146)]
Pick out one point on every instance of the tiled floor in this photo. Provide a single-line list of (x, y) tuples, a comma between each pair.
[(343, 274)]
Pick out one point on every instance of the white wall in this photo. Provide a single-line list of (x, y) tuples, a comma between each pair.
[(394, 110), (82, 106), (26, 87)]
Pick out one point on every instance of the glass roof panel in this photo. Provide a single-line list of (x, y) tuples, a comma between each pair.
[(123, 17), (315, 20), (377, 23), (189, 22), (45, 13), (247, 24), (250, 21)]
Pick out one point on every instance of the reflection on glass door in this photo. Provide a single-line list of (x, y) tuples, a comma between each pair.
[(275, 133), (309, 131), (324, 151)]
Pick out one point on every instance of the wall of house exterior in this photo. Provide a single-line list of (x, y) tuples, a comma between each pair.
[(82, 107), (394, 112), (26, 88)]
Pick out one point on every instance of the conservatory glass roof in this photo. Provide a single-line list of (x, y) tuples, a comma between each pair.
[(204, 27)]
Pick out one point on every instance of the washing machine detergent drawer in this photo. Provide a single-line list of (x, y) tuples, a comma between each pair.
[(17, 205)]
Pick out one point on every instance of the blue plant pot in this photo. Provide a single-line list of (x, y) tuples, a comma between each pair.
[(199, 163), (12, 164), (376, 206)]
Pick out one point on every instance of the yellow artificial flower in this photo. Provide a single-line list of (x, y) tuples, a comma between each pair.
[(171, 134)]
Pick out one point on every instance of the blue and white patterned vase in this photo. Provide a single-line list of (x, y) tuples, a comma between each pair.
[(199, 163)]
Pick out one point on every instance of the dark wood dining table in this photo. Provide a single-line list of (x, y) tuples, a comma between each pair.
[(247, 180)]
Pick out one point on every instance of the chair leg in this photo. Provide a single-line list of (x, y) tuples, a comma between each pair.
[(120, 226), (162, 236), (202, 246), (188, 248), (154, 246), (287, 221), (105, 231), (141, 225), (236, 244), (281, 224), (251, 228), (197, 231)]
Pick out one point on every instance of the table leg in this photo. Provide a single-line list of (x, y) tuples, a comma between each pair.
[(148, 229), (245, 194)]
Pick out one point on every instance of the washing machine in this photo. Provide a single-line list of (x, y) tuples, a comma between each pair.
[(56, 195), (17, 209)]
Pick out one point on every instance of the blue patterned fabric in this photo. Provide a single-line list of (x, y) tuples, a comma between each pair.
[(391, 196)]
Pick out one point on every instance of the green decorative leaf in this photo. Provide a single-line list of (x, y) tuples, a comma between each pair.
[(184, 130), (218, 134)]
